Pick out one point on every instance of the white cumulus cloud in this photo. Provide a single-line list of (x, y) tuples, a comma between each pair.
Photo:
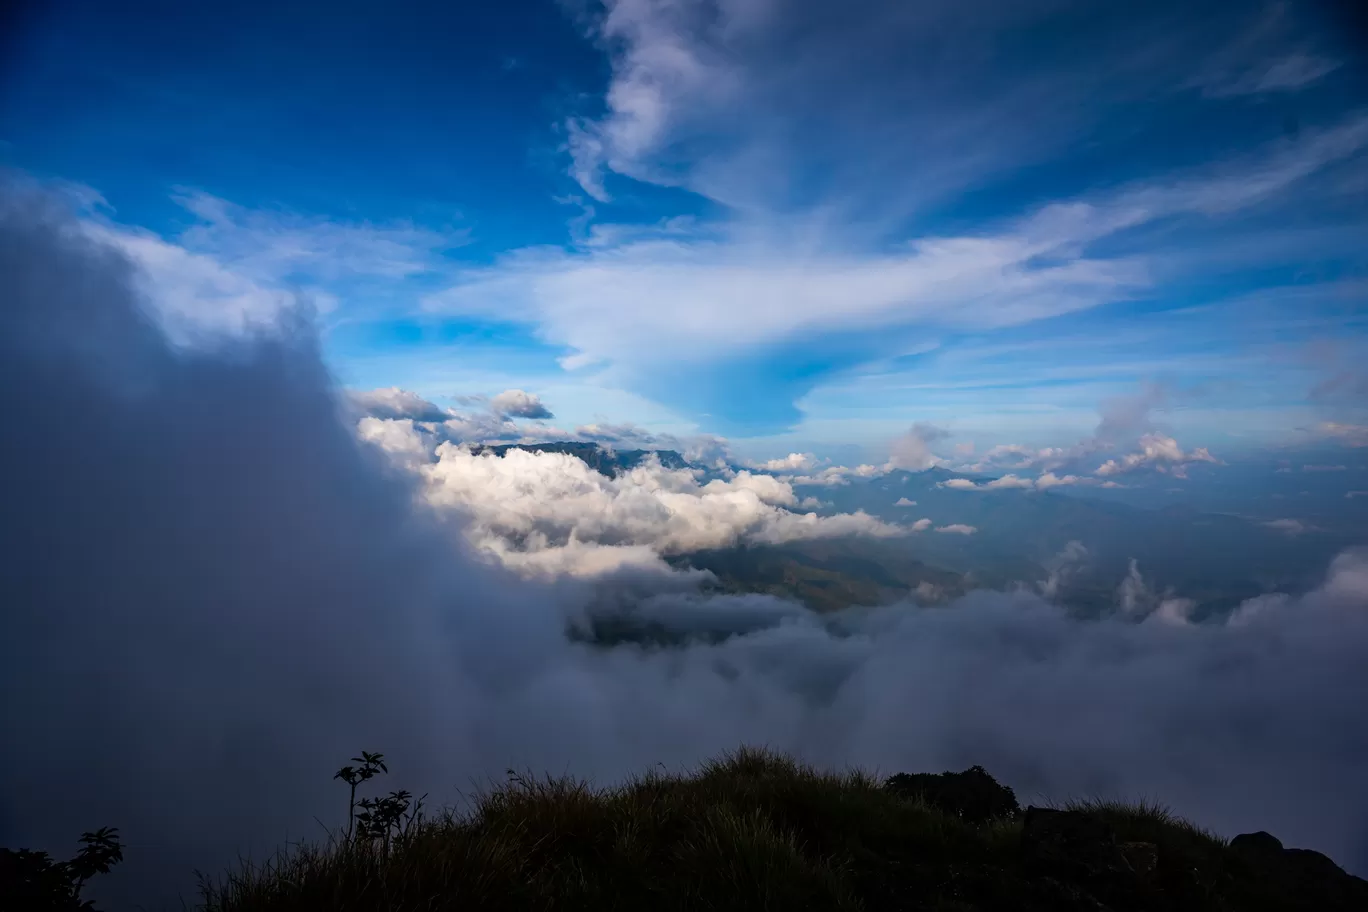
[(1157, 453), (551, 512), (793, 462), (957, 529)]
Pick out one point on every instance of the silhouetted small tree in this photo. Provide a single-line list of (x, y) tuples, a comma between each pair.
[(36, 882), (371, 765), (381, 820), (973, 795)]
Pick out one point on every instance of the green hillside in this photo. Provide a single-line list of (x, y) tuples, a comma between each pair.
[(827, 575)]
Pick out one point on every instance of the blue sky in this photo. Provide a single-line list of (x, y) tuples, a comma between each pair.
[(795, 224)]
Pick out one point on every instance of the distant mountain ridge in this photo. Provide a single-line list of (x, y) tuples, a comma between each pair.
[(604, 460), (1218, 560)]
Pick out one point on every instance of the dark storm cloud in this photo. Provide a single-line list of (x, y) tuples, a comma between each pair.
[(212, 592)]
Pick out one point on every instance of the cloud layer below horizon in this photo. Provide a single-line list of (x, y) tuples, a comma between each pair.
[(209, 555)]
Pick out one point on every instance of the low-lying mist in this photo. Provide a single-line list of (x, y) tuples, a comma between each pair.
[(214, 594)]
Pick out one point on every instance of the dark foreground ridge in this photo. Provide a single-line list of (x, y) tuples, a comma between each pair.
[(756, 830)]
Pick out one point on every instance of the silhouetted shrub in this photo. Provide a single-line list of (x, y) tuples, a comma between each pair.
[(36, 882), (973, 796)]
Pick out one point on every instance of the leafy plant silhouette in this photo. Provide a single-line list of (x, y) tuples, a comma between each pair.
[(382, 821), (388, 820), (371, 766), (35, 881)]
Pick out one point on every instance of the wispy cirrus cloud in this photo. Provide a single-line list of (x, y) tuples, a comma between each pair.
[(664, 70), (1284, 74), (745, 288), (234, 269), (825, 145), (1268, 55), (277, 244), (754, 104), (853, 197)]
